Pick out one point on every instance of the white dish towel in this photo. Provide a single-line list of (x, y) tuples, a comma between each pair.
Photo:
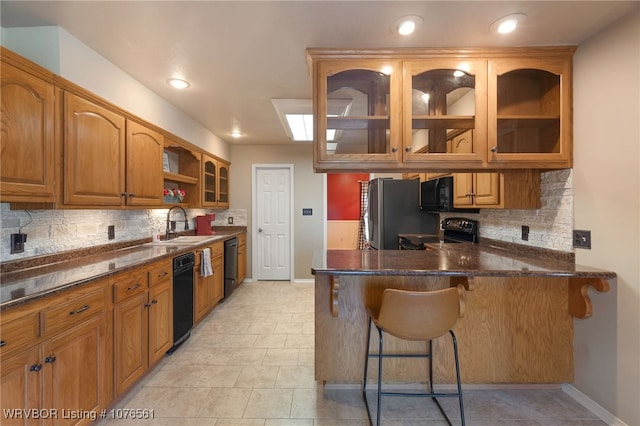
[(205, 263)]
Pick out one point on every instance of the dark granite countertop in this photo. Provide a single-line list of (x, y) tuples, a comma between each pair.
[(20, 286), (463, 259)]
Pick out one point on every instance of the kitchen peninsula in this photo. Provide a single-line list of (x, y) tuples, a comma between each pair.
[(518, 311)]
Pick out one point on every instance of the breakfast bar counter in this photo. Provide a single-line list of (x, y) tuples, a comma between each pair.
[(518, 310)]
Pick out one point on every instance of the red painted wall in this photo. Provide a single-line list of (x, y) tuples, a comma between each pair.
[(343, 195)]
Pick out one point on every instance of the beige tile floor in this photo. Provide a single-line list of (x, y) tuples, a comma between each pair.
[(251, 363)]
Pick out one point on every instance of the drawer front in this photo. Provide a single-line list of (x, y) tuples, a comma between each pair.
[(217, 250), (73, 312), (19, 333), (160, 272), (129, 285)]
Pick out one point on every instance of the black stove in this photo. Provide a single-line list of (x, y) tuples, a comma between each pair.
[(454, 230), (460, 230)]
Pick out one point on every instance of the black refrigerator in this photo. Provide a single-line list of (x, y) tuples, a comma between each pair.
[(394, 208)]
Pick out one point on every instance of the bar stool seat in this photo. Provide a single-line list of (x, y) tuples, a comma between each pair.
[(417, 316)]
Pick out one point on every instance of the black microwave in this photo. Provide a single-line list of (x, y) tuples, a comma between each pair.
[(436, 195)]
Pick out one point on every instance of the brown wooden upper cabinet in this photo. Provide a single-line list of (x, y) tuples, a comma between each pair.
[(530, 108), (402, 109), (109, 160), (444, 98), (215, 182), (28, 139), (357, 112)]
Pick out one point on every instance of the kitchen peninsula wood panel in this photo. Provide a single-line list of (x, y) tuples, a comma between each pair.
[(517, 325)]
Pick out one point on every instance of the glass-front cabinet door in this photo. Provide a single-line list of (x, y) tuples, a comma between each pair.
[(444, 99), (530, 111), (358, 113), (223, 184), (209, 181)]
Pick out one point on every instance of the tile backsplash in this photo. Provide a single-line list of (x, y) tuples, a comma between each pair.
[(53, 231), (550, 226)]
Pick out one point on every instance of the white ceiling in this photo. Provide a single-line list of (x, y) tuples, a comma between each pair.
[(238, 55)]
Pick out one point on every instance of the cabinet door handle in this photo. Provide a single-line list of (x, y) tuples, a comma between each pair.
[(123, 194), (132, 195), (394, 149), (35, 367), (154, 301), (133, 287), (408, 149), (84, 308), (494, 149), (2, 343), (164, 274), (147, 305), (50, 359)]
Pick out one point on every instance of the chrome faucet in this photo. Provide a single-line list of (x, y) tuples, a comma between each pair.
[(171, 224)]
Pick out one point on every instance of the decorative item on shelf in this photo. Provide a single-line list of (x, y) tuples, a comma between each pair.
[(165, 163), (173, 195)]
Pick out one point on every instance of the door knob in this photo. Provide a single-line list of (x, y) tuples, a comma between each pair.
[(259, 229)]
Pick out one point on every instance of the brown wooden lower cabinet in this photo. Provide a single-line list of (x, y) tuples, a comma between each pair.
[(21, 385), (208, 291), (143, 321), (66, 367), (73, 370), (82, 348)]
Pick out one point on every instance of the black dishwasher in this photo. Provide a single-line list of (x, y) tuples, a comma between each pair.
[(182, 298), (230, 266)]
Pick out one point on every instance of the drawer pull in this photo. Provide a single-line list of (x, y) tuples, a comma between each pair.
[(2, 343), (50, 359), (133, 287), (36, 367), (84, 308)]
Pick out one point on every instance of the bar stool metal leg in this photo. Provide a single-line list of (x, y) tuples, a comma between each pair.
[(455, 354)]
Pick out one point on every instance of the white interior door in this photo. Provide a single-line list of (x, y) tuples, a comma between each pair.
[(272, 222)]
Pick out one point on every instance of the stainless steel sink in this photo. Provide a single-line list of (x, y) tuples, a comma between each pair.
[(187, 240)]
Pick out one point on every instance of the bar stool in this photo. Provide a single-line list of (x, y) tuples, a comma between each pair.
[(418, 316)]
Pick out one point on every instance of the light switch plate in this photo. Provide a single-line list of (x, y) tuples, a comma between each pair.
[(307, 212)]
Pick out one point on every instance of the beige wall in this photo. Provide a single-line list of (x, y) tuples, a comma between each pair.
[(308, 192), (61, 53), (606, 201)]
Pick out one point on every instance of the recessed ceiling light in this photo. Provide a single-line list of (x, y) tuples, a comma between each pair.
[(178, 83), (507, 24), (406, 25), (236, 134)]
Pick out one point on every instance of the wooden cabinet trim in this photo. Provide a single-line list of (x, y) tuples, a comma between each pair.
[(129, 285), (74, 312)]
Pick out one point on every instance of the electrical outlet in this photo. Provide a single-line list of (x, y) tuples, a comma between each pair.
[(525, 232), (111, 232), (582, 239), (17, 242), (230, 220)]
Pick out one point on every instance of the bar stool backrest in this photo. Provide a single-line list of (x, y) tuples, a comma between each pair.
[(418, 315)]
